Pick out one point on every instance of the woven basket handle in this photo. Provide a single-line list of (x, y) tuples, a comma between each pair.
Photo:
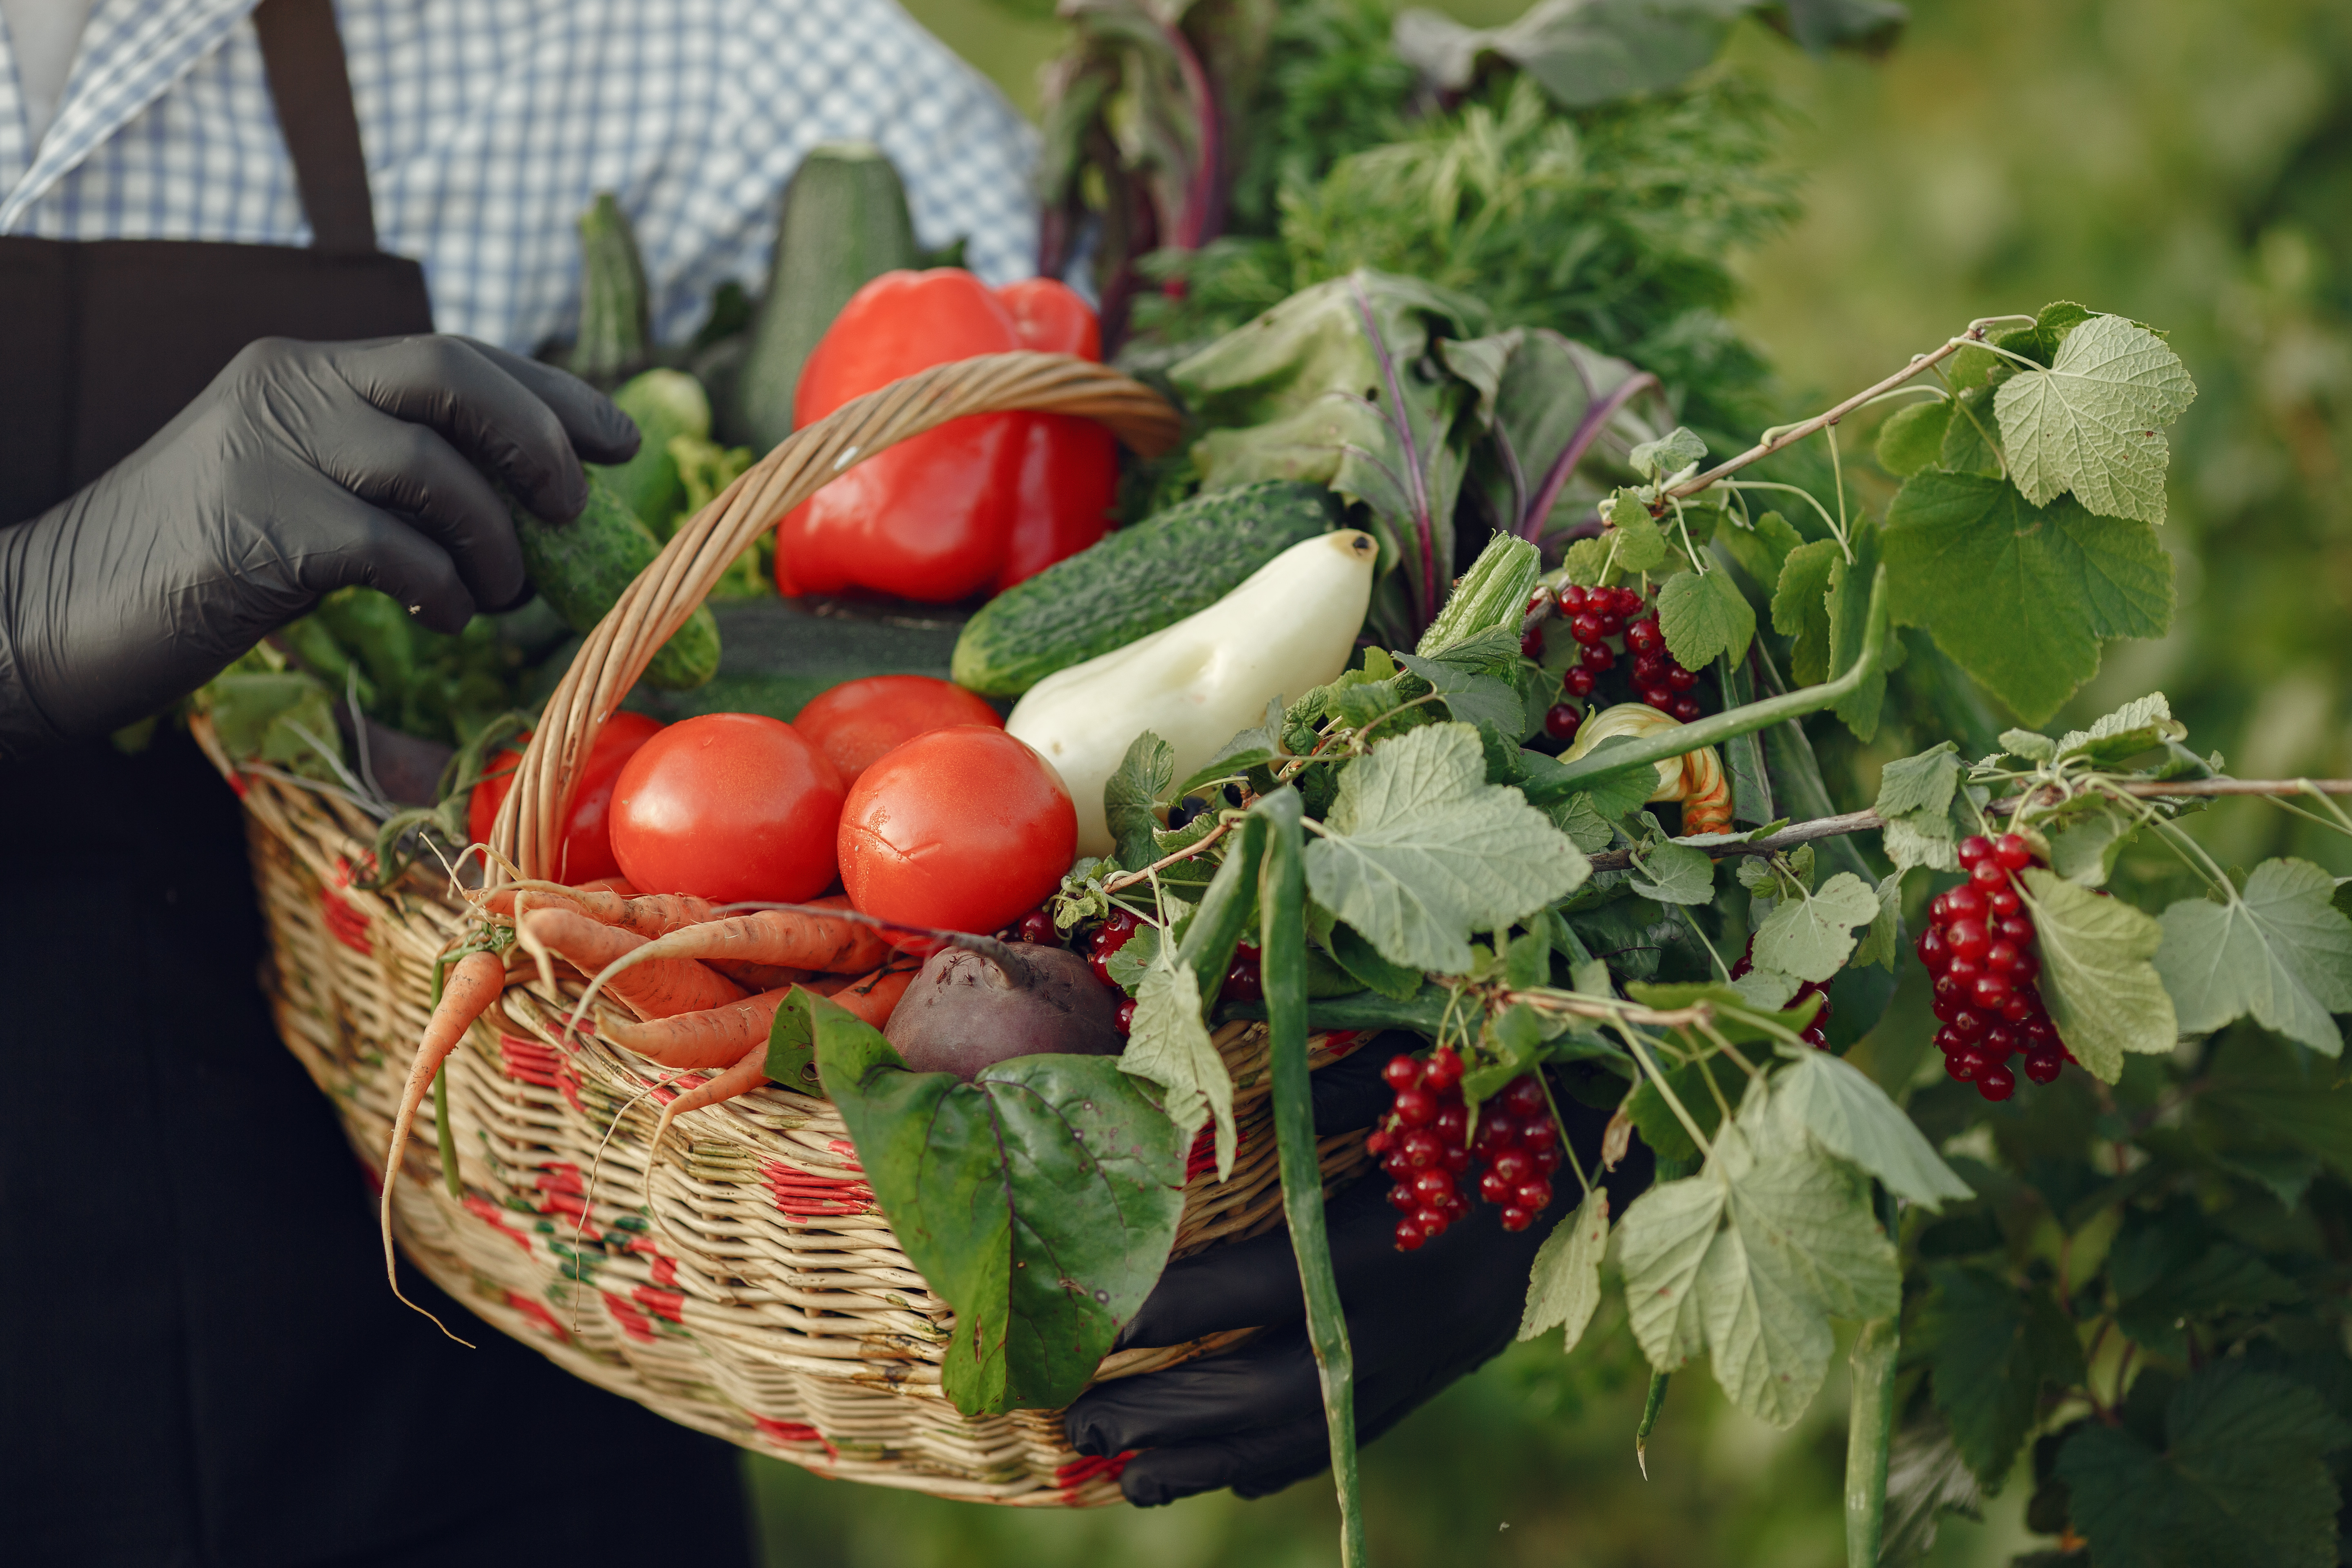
[(530, 823)]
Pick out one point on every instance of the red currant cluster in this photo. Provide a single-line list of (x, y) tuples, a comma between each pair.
[(1815, 1033), (1426, 1147), (1978, 945), (1594, 616)]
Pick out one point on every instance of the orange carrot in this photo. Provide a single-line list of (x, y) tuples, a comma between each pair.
[(780, 936), (761, 976), (472, 983), (661, 988), (874, 996), (710, 1039), (647, 914)]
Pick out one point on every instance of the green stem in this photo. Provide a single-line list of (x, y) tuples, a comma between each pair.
[(1870, 1428), (1650, 1409), (1208, 945), (447, 1134), (1683, 738), (1282, 924)]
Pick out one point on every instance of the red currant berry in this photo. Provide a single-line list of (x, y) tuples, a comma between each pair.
[(1629, 599), (1402, 1072), (1517, 1218), (1444, 1070), (1531, 644), (1401, 1199), (1572, 598), (1598, 658), (1432, 1220), (2001, 957), (1686, 709), (1643, 637), (1939, 909), (1986, 874), (1514, 1166), (2015, 929), (1452, 1124), (1420, 1149), (1409, 1236), (1585, 628), (1824, 1013), (1417, 1107), (1494, 1189), (1123, 1019), (1659, 698), (1496, 1131), (1968, 940), (1576, 681), (1948, 1040), (1948, 1004), (1962, 972), (2002, 902), (2017, 1009), (2039, 1033), (1038, 926), (1816, 1036), (2026, 969), (1649, 668), (2043, 1064), (1534, 1194), (1540, 601), (1398, 1166), (1989, 992), (1968, 1023), (1612, 624), (1561, 720), (1525, 1097), (1431, 1186), (2001, 1043), (1976, 846), (1546, 1159), (1378, 1143), (1119, 926), (1454, 1161), (1679, 679), (1099, 965), (1243, 982), (1965, 903), (1454, 1206), (1966, 1064), (1540, 1135), (2012, 852), (1997, 1082)]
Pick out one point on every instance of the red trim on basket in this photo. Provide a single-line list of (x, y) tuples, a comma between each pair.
[(634, 1324), (848, 1153), (344, 923), (527, 1060), (538, 1314), (1201, 1157), (1078, 1472), (803, 1195), (237, 784), (558, 1181), (1340, 1042), (482, 1209), (792, 1432), (665, 1269), (660, 1303)]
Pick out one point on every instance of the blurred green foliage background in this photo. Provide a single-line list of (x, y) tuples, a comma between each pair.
[(2180, 162)]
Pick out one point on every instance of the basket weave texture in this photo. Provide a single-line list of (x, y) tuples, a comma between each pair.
[(770, 1304)]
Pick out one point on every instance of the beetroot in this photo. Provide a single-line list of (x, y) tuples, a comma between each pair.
[(969, 1010)]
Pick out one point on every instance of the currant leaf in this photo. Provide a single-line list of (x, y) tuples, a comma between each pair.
[(1168, 1045), (1564, 1287), (1419, 850), (1801, 608), (1705, 617), (1912, 438), (1810, 937), (2103, 994), (2280, 951), (1144, 778), (2093, 422), (1851, 1117), (1991, 1348), (1674, 874), (2021, 596)]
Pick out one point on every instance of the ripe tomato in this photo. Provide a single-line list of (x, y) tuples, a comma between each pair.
[(959, 829), (587, 843), (856, 722), (727, 807)]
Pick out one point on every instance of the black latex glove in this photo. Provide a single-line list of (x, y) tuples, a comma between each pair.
[(302, 468), (1252, 1418)]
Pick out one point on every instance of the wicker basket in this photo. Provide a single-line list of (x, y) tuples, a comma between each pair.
[(778, 1311)]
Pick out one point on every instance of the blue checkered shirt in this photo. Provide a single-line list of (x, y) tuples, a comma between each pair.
[(490, 124)]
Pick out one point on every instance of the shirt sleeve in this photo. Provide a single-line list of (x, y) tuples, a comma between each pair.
[(801, 73)]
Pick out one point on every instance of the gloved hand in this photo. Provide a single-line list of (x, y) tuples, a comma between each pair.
[(1252, 1418), (303, 468)]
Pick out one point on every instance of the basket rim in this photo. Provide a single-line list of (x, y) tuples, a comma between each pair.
[(615, 654)]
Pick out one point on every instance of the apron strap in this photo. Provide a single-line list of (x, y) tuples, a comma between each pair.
[(303, 56)]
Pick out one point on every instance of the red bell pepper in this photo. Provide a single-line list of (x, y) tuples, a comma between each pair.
[(975, 505)]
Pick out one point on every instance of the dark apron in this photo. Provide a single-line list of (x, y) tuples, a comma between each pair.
[(200, 1362)]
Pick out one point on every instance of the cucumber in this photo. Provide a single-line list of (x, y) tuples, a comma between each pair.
[(1136, 581), (616, 337), (665, 404), (843, 224), (582, 567)]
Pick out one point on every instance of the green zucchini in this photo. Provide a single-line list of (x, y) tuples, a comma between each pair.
[(582, 567), (845, 222), (665, 403), (616, 337), (1136, 581)]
